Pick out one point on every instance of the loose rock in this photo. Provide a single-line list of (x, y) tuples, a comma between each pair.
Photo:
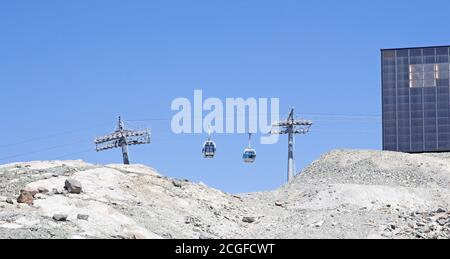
[(83, 217), (177, 183), (60, 217), (26, 196), (279, 204), (319, 223), (73, 186), (248, 220), (440, 210), (42, 190)]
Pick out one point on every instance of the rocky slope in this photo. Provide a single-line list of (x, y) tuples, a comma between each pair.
[(344, 194), (366, 194)]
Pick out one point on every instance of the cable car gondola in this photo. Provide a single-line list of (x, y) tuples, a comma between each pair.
[(249, 155), (209, 147)]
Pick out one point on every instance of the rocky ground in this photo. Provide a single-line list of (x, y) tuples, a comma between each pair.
[(344, 194)]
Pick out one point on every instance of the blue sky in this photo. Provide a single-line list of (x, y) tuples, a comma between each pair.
[(69, 68)]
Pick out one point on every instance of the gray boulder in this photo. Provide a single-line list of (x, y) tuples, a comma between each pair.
[(60, 217), (83, 217), (248, 220), (73, 186)]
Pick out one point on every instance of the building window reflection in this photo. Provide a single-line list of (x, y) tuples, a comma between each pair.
[(428, 75)]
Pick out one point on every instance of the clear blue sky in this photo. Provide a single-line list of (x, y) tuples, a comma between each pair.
[(69, 68)]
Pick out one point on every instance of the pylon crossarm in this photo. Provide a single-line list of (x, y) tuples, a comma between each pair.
[(107, 138), (301, 131), (122, 138), (107, 145), (285, 123), (279, 132), (302, 123)]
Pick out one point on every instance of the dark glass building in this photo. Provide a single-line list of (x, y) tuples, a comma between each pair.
[(416, 100)]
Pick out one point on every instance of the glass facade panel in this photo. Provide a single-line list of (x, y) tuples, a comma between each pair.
[(416, 99)]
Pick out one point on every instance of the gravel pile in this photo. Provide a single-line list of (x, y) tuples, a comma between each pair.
[(378, 168)]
